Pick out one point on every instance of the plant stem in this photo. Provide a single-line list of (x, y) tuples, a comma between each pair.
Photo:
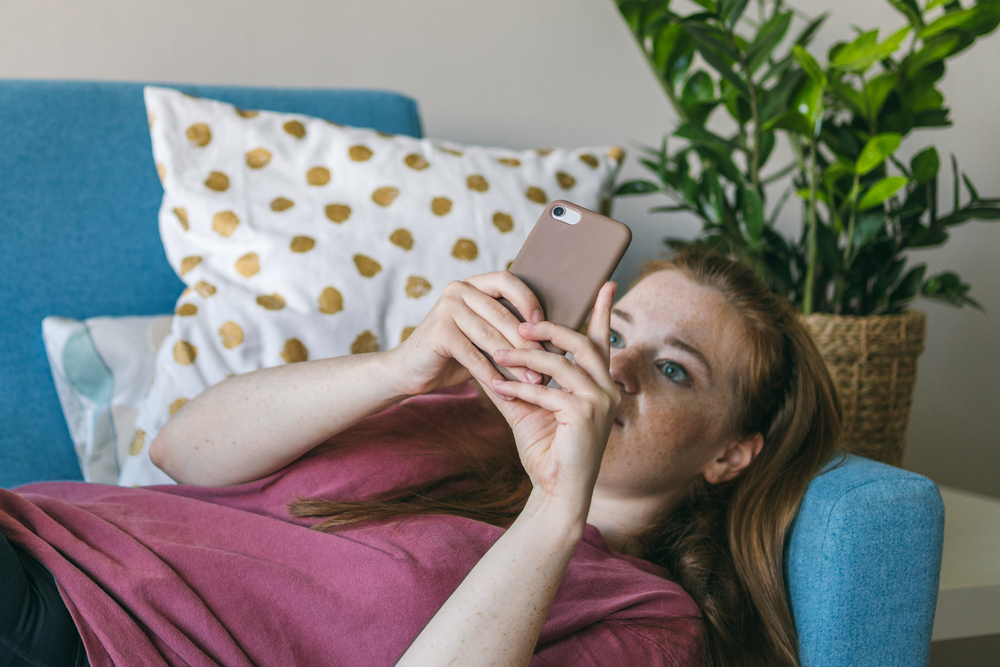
[(807, 299), (850, 224)]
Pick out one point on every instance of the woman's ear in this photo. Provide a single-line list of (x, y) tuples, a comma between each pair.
[(733, 459)]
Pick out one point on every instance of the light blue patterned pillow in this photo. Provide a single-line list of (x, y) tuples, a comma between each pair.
[(102, 368)]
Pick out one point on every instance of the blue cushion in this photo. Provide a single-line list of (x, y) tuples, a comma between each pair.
[(79, 237), (862, 566)]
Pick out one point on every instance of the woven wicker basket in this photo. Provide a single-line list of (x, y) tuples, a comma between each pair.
[(873, 362)]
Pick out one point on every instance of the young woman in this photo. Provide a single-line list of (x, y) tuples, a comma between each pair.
[(674, 450)]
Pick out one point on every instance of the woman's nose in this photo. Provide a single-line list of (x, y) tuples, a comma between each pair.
[(625, 365)]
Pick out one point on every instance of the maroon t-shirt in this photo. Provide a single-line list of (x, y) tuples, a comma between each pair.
[(184, 575)]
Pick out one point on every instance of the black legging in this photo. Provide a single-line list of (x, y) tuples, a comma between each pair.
[(36, 629)]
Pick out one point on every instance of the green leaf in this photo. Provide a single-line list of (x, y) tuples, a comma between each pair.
[(925, 165), (700, 136), (910, 10), (908, 286), (698, 97), (673, 53), (707, 4), (792, 121), (948, 287), (876, 150), (922, 99), (810, 65), (867, 227), (864, 52), (949, 21), (970, 213), (935, 3), (636, 187), (732, 10), (808, 101), (973, 193), (878, 89), (807, 34), (737, 105), (850, 96), (753, 213), (803, 194), (766, 39), (937, 49), (881, 191)]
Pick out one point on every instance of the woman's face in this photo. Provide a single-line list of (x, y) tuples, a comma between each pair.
[(674, 349)]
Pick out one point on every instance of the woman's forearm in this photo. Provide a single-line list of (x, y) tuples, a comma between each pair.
[(253, 424), (496, 614)]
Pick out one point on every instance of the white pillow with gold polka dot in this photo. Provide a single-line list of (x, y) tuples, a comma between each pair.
[(300, 239)]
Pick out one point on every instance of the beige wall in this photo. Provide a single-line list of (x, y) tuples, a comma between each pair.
[(524, 73)]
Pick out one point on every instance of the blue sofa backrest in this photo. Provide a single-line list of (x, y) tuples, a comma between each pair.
[(79, 236)]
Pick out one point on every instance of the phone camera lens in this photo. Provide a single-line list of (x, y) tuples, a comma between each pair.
[(558, 212)]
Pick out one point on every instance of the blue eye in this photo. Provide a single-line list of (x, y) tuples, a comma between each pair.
[(615, 339), (674, 371)]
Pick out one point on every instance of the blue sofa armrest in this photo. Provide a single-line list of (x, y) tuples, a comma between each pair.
[(79, 235), (862, 565)]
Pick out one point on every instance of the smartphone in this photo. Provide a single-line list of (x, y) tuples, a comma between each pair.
[(567, 257)]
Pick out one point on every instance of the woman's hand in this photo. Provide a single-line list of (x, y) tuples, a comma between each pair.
[(441, 351), (561, 432)]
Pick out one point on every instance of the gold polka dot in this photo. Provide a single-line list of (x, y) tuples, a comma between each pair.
[(217, 181), (367, 266), (189, 263), (151, 118), (509, 161), (185, 292), (271, 301), (204, 289), (509, 264), (295, 128), (385, 135), (441, 206), (406, 333), (199, 135), (536, 195), (187, 310), (359, 153), (161, 171), (364, 343), (246, 113), (451, 151), (182, 217), (543, 151), (225, 223), (465, 250), (294, 351), (416, 287), (503, 222), (318, 176), (138, 442), (415, 161), (385, 196), (231, 334), (402, 238), (331, 301), (616, 153), (302, 244), (248, 265), (258, 158), (478, 183), (185, 353), (281, 204), (590, 160), (177, 405), (338, 212), (565, 180)]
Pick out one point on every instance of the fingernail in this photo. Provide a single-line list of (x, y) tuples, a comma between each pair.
[(536, 315), (533, 377), (499, 353), (527, 325)]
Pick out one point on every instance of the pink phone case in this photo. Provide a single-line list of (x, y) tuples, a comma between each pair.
[(565, 264)]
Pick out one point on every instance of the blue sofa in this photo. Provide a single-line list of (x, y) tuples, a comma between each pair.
[(78, 238)]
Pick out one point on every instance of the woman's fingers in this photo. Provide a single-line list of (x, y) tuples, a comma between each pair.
[(599, 330), (586, 353), (569, 375), (504, 284)]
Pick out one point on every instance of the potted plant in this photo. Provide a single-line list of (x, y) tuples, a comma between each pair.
[(863, 206)]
